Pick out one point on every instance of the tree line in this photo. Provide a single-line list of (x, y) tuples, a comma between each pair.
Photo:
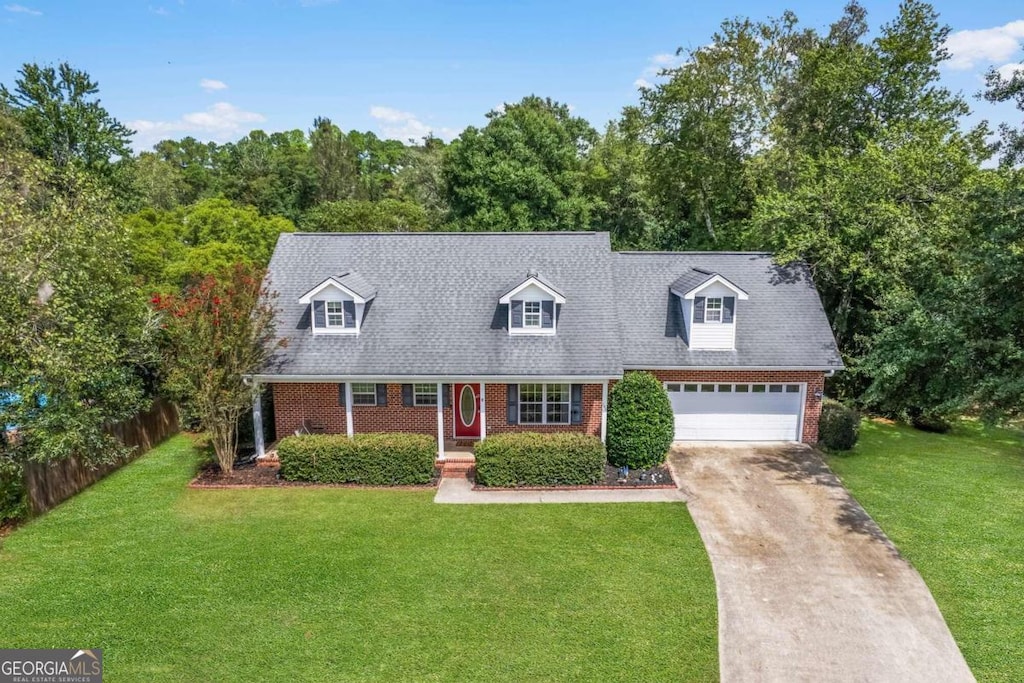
[(838, 146)]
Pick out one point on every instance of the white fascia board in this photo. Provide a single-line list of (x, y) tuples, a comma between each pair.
[(446, 379), (508, 296), (330, 282), (738, 368), (740, 294)]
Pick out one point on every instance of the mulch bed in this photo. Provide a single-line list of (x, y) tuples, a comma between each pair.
[(654, 478), (252, 476)]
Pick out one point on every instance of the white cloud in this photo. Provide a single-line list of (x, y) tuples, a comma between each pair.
[(984, 46), (159, 11), (21, 9), (221, 122), (1007, 71), (211, 84), (402, 125), (656, 64)]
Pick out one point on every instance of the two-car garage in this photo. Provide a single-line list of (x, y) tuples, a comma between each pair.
[(707, 411)]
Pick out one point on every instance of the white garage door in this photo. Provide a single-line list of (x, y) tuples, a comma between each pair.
[(736, 412)]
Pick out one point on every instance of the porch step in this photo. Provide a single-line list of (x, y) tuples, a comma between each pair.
[(457, 467)]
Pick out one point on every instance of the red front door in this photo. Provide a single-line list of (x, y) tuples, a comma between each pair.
[(467, 411)]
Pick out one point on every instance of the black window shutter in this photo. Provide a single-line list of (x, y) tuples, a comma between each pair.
[(576, 408), (382, 394), (319, 317), (341, 394), (517, 313), (547, 314), (698, 309), (513, 404), (350, 313), (407, 395), (446, 395), (728, 308)]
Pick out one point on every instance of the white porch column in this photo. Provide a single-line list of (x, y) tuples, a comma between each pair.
[(257, 421), (349, 430), (440, 421), (483, 411), (604, 412)]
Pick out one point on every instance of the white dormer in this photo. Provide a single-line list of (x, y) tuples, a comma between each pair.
[(338, 303), (708, 302), (533, 306)]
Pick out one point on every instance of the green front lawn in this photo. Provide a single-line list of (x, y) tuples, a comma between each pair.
[(339, 584), (954, 504)]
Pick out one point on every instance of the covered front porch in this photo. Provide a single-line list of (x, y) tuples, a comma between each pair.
[(458, 411)]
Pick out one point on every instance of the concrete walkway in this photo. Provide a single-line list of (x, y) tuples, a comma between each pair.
[(809, 587), (459, 491)]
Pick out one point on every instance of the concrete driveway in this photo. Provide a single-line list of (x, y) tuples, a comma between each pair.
[(809, 588)]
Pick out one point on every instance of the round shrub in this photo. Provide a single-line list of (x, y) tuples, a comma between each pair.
[(640, 422), (838, 426)]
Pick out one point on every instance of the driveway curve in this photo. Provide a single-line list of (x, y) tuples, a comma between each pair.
[(809, 587)]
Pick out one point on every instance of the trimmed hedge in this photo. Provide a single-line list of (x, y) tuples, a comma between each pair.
[(386, 459), (532, 459), (13, 499), (641, 424), (838, 426)]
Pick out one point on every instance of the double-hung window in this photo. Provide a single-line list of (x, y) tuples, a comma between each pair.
[(531, 314), (544, 404), (364, 394), (335, 314), (713, 310), (424, 394)]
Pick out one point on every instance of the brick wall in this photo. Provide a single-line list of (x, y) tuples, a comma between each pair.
[(318, 403), (815, 382), (497, 413)]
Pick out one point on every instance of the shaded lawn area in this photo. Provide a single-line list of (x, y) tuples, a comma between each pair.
[(334, 584), (954, 505)]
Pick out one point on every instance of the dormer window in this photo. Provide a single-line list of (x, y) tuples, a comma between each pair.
[(708, 302), (337, 305), (713, 310), (335, 314), (533, 306), (531, 314)]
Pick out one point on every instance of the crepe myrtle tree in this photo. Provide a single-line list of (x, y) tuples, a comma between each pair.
[(214, 334)]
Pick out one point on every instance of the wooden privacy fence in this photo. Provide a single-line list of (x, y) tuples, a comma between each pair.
[(48, 484)]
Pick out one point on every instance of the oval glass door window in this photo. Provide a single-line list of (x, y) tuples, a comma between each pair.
[(467, 406)]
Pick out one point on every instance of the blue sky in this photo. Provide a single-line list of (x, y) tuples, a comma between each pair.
[(217, 68)]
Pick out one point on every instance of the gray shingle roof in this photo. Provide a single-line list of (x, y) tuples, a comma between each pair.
[(694, 277), (436, 312), (358, 284), (782, 324)]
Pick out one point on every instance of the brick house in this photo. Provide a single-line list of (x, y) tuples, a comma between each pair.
[(465, 335)]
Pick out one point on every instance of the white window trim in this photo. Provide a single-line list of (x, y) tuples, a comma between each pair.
[(531, 329), (417, 394), (328, 314), (363, 393), (539, 313), (544, 403), (720, 310)]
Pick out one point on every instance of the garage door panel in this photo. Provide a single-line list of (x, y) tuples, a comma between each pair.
[(736, 416)]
